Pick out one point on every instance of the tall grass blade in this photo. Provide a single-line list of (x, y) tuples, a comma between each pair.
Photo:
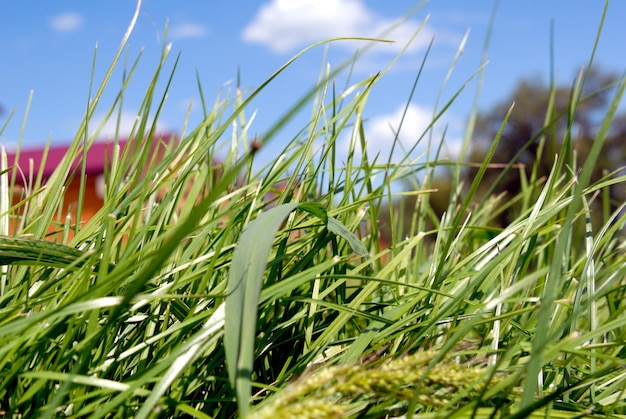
[(244, 288)]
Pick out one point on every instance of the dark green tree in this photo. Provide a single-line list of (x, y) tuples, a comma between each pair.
[(531, 139)]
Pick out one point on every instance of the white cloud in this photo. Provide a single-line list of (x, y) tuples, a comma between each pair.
[(285, 25), (127, 121), (9, 146), (189, 30), (67, 22), (380, 132)]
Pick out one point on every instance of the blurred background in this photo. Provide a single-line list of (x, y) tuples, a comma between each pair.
[(48, 49)]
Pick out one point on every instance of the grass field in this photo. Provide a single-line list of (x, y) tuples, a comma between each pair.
[(212, 301)]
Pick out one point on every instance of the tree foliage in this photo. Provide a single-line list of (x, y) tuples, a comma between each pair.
[(536, 132)]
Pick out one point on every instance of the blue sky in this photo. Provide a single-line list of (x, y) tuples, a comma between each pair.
[(48, 47)]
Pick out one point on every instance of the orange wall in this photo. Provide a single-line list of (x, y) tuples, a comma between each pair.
[(91, 202)]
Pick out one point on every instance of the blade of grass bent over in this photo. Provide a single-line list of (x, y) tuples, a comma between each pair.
[(244, 287), (16, 250)]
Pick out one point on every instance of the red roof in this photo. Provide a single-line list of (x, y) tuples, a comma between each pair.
[(97, 156)]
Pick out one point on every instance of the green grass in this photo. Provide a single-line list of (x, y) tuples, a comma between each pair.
[(190, 295)]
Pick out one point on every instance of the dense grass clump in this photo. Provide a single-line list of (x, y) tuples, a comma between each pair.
[(204, 291)]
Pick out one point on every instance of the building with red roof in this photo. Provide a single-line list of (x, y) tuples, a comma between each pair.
[(30, 162)]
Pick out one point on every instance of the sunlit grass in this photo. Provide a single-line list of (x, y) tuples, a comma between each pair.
[(206, 290)]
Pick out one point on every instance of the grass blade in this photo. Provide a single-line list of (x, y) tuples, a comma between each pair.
[(244, 287)]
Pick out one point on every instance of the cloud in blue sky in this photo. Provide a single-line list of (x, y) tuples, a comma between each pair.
[(188, 30), (66, 22), (380, 132), (285, 25), (127, 121)]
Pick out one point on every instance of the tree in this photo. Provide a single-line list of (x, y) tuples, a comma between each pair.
[(531, 143)]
